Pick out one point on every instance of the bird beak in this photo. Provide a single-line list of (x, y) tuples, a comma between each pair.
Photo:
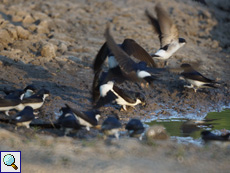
[(143, 104), (98, 127)]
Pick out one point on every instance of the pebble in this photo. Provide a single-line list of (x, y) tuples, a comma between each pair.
[(17, 18), (22, 33), (5, 37), (43, 27), (62, 47), (48, 50), (13, 33), (28, 19), (156, 132)]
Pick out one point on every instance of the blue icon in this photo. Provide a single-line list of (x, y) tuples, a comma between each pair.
[(9, 160)]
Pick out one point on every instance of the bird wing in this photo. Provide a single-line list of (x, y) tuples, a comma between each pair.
[(9, 102), (80, 114), (100, 58), (70, 122), (23, 116), (194, 75), (201, 1), (126, 64), (110, 123), (169, 31), (128, 97), (110, 97), (96, 87), (155, 24), (132, 48), (102, 78), (31, 100)]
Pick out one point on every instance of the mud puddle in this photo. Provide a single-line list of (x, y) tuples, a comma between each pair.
[(186, 130)]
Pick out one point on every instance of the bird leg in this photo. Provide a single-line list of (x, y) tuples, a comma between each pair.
[(7, 113), (195, 89), (87, 128), (142, 85), (124, 107), (104, 137), (117, 135)]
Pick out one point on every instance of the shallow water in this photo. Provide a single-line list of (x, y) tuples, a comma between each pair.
[(189, 130)]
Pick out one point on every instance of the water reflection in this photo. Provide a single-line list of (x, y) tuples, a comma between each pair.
[(191, 129)]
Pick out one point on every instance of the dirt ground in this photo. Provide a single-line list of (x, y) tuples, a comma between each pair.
[(52, 44)]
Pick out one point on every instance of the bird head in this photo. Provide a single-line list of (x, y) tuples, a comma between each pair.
[(141, 97), (182, 41)]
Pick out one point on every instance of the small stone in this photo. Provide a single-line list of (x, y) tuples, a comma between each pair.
[(17, 18), (5, 38), (43, 27), (32, 27), (28, 19), (13, 33), (22, 33), (63, 47), (48, 50), (215, 44), (157, 132)]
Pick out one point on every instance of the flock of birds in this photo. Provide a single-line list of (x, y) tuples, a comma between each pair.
[(127, 62)]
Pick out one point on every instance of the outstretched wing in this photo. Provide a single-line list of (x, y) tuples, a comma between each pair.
[(132, 48), (100, 58), (125, 62), (155, 24), (164, 26)]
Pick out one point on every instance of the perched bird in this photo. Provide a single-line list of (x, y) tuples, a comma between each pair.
[(19, 93), (68, 120), (36, 101), (135, 128), (87, 118), (167, 32), (16, 94), (207, 135), (111, 126), (9, 104), (129, 68), (24, 117), (196, 79), (101, 78), (111, 93), (29, 91)]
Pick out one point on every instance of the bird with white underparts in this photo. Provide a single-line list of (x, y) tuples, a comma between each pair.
[(110, 93), (135, 128), (87, 119), (195, 79), (68, 121), (24, 117), (28, 91), (168, 34), (37, 100), (111, 126), (134, 71)]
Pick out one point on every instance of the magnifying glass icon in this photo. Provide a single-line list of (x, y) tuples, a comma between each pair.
[(9, 160)]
